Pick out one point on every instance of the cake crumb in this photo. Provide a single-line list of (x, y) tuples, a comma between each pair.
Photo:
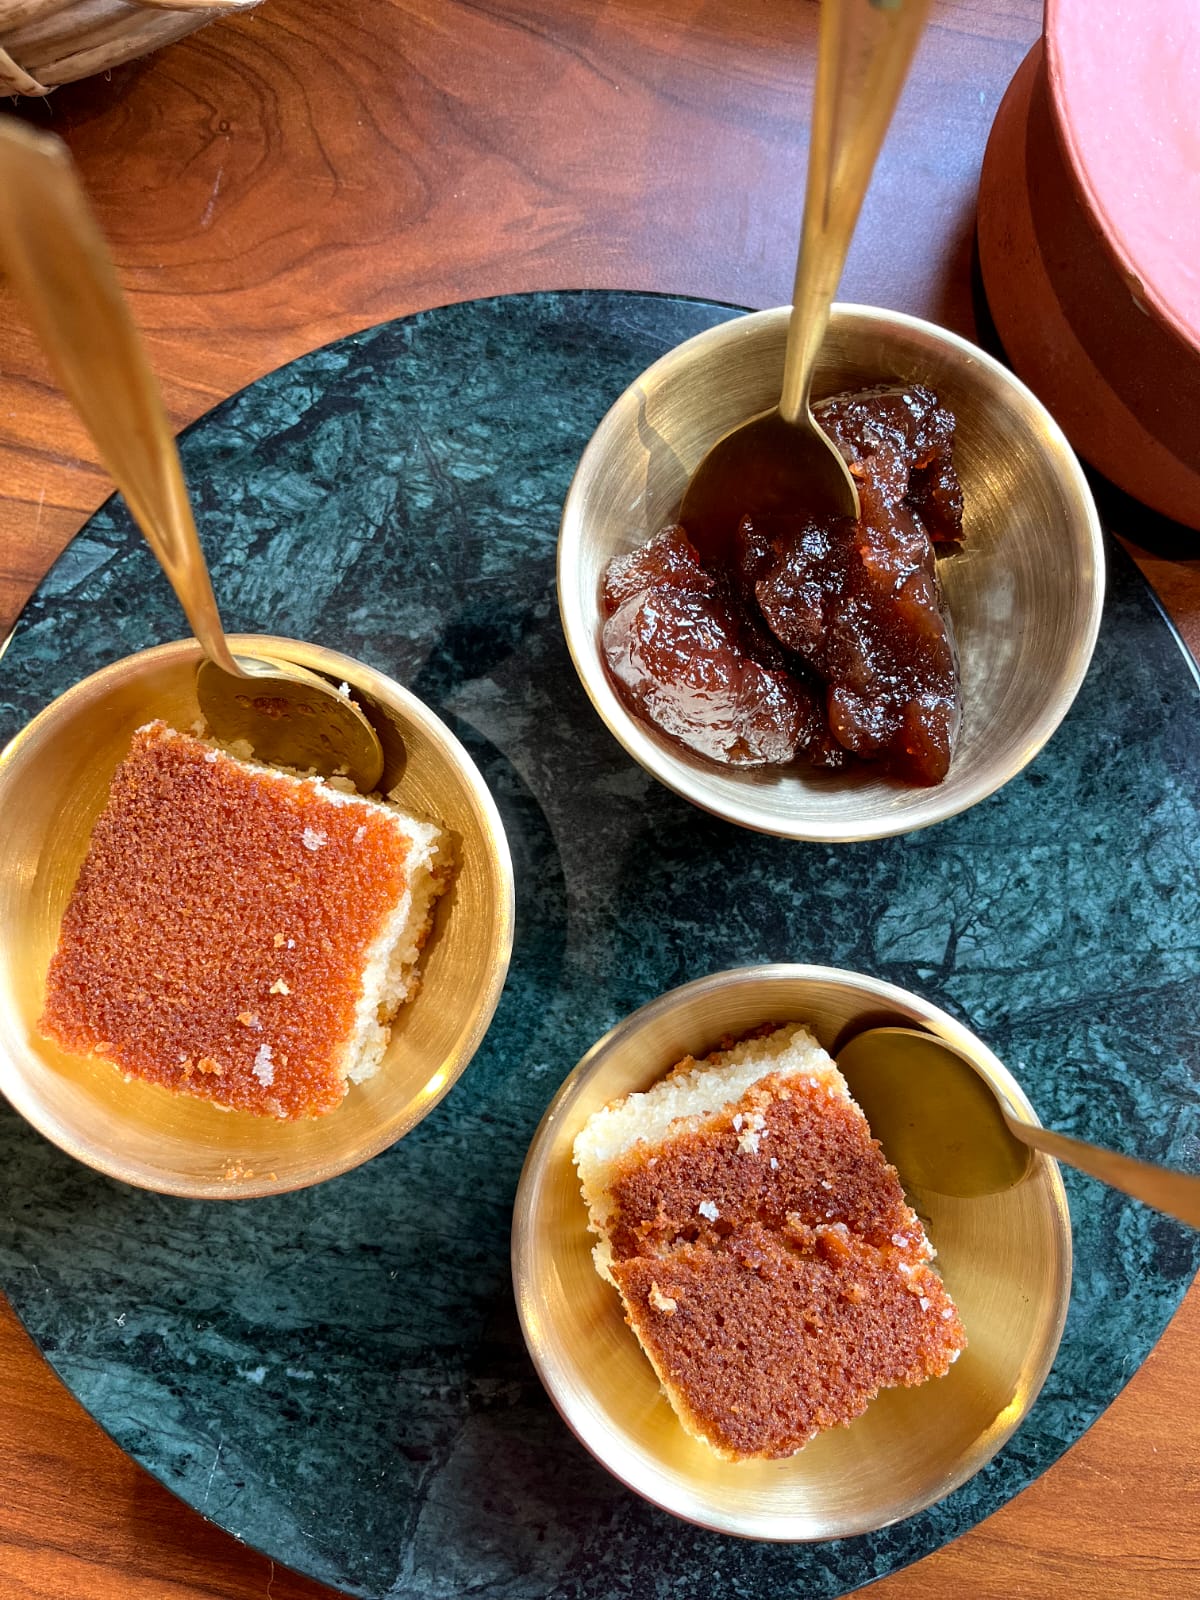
[(249, 1019), (278, 941), (207, 1064), (662, 1302), (754, 1129), (314, 838), (279, 987), (708, 1209)]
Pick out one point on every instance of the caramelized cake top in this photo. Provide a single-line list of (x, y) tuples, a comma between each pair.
[(790, 1147), (216, 937)]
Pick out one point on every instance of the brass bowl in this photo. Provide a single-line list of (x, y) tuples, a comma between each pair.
[(1006, 1259), (1024, 591), (54, 779)]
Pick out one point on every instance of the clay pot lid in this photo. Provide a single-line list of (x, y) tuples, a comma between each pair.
[(1125, 79)]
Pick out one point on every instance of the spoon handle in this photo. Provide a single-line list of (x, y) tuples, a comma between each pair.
[(862, 60), (1176, 1193), (57, 262)]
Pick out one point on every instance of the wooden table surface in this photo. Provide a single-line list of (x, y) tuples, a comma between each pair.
[(316, 166)]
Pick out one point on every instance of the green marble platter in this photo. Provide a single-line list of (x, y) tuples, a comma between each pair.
[(337, 1376)]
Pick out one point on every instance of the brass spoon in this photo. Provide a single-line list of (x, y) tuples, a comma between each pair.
[(945, 1129), (782, 460), (57, 261)]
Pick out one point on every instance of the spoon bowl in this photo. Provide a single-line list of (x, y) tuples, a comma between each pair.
[(947, 1127), (291, 717), (765, 467), (940, 1122)]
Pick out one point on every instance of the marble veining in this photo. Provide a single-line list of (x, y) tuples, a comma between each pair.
[(338, 1376)]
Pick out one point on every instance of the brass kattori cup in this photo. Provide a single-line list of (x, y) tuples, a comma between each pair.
[(54, 779), (1024, 591), (1005, 1258)]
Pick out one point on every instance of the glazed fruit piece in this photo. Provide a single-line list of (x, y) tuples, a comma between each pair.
[(675, 645)]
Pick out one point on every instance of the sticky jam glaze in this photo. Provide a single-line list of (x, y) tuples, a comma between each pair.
[(820, 639)]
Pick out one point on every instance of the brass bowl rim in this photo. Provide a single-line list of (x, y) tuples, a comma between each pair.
[(667, 767), (332, 664), (536, 1166)]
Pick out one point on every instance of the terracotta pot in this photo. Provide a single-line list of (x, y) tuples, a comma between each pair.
[(1089, 238)]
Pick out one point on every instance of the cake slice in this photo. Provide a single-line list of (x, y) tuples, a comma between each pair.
[(764, 1252), (241, 933)]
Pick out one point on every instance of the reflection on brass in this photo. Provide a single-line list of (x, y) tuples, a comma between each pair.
[(1025, 590), (1005, 1257), (54, 779)]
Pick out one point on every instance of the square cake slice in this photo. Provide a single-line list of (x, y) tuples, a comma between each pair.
[(762, 1246), (241, 933)]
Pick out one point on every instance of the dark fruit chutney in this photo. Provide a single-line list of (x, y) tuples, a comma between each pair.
[(819, 639)]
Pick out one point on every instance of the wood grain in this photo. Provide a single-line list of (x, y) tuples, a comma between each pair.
[(316, 166)]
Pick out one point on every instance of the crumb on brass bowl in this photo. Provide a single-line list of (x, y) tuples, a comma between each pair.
[(1024, 590), (1005, 1258), (54, 778)]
